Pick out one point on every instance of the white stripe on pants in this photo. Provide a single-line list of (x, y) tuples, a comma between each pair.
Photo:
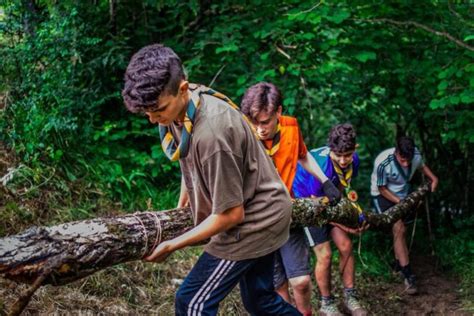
[(197, 303)]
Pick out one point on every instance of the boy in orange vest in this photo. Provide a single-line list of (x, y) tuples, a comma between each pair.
[(283, 141)]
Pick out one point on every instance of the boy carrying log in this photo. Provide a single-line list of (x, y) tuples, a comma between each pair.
[(283, 141), (340, 163), (393, 169), (231, 184)]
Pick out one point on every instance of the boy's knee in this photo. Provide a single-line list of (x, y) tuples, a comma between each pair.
[(323, 255), (302, 284), (399, 228), (345, 248)]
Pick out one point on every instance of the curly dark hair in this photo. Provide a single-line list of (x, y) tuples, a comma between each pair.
[(405, 147), (154, 69), (342, 138), (263, 96)]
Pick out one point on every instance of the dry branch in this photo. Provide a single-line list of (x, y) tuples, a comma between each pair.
[(423, 27)]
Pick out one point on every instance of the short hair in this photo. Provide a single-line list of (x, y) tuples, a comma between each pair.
[(405, 147), (263, 96), (154, 69), (342, 138)]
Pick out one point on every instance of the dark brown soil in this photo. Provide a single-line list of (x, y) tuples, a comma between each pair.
[(437, 293)]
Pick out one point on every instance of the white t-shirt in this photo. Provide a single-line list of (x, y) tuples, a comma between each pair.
[(388, 172)]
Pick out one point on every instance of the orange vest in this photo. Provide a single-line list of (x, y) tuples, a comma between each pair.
[(291, 149)]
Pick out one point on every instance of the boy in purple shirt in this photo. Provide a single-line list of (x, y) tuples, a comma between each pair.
[(340, 163)]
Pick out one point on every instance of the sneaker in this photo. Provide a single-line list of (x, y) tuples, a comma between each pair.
[(329, 308), (410, 285), (352, 304)]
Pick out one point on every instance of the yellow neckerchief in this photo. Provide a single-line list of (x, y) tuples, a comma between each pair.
[(344, 177), (176, 151), (275, 142), (345, 180)]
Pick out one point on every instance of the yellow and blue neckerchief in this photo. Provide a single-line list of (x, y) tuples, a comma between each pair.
[(173, 151), (345, 180)]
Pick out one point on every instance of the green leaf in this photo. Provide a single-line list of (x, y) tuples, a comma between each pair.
[(443, 85), (339, 16), (313, 18), (467, 97), (437, 104), (470, 68), (365, 56), (282, 69), (227, 48), (264, 56), (454, 100), (468, 38), (241, 80), (308, 36)]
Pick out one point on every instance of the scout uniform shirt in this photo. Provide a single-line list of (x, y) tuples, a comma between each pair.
[(305, 184), (292, 148), (227, 166)]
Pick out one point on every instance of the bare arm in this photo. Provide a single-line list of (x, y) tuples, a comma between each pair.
[(312, 167), (430, 175), (183, 195), (389, 195), (212, 225)]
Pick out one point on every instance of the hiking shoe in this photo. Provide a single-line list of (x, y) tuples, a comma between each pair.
[(410, 285), (352, 304), (329, 308)]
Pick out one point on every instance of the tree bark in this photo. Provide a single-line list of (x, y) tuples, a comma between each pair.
[(64, 253)]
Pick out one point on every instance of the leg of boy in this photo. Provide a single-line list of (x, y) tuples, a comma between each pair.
[(346, 262), (402, 260), (258, 293), (279, 278), (322, 270), (208, 283), (399, 243), (295, 258), (318, 239), (346, 267)]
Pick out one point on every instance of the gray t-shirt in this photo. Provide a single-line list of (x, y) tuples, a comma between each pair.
[(387, 172), (227, 166)]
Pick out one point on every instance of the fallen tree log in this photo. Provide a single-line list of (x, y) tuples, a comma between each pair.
[(308, 213), (64, 253), (61, 254)]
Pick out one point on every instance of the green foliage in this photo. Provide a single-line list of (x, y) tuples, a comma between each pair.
[(61, 70), (64, 74), (456, 252), (390, 68)]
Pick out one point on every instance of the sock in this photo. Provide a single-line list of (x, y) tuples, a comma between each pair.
[(326, 299), (396, 265), (406, 270), (349, 291)]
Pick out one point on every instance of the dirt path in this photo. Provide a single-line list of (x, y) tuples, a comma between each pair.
[(437, 293)]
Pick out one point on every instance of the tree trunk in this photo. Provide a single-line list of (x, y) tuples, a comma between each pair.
[(64, 253)]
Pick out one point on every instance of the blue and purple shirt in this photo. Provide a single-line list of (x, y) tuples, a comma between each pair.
[(305, 184)]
